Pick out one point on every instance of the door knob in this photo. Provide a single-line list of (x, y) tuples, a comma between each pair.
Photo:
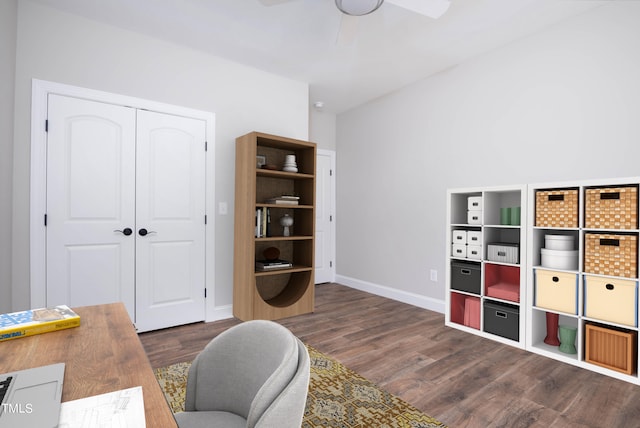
[(145, 232), (126, 231)]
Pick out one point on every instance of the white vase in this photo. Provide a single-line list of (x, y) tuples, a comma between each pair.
[(286, 221)]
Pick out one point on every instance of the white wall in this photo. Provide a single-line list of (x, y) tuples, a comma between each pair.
[(322, 129), (64, 48), (560, 105), (8, 15)]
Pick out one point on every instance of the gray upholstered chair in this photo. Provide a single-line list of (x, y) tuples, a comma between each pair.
[(255, 374)]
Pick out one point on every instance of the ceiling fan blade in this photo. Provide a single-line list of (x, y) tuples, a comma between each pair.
[(348, 29), (273, 2), (431, 8)]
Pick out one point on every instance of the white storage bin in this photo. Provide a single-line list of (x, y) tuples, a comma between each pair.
[(459, 237), (559, 259), (474, 203), (474, 217), (474, 237), (459, 250), (474, 252), (503, 252), (559, 242)]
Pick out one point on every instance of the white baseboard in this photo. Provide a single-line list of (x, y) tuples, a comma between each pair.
[(394, 294), (220, 313)]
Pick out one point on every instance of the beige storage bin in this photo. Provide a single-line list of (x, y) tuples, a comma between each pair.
[(557, 208), (557, 291), (611, 299), (611, 208), (611, 254)]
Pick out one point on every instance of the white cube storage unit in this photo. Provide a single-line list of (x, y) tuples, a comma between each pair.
[(582, 265), (578, 263), (484, 293)]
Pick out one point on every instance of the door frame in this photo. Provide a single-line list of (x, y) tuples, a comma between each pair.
[(40, 90)]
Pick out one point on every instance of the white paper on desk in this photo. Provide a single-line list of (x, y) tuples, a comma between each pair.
[(118, 409)]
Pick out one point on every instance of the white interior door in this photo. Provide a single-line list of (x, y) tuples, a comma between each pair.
[(325, 270), (170, 220), (90, 197)]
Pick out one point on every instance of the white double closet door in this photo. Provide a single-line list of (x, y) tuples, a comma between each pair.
[(126, 211)]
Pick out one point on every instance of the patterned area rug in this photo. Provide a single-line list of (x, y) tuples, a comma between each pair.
[(338, 398)]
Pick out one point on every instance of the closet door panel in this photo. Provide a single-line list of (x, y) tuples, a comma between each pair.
[(90, 198), (170, 215)]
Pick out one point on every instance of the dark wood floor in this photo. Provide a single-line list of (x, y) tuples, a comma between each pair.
[(461, 379)]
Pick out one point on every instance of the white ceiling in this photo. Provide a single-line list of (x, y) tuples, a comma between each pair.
[(298, 38)]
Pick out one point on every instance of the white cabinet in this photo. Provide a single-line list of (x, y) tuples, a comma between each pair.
[(485, 275)]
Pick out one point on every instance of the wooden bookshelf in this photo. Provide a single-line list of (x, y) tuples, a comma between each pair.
[(285, 292)]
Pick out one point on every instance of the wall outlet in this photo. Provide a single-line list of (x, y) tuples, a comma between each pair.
[(433, 275)]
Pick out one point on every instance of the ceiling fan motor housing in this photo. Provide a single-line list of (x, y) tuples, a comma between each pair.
[(358, 7)]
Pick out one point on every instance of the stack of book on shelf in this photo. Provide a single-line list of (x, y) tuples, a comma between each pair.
[(36, 321), (284, 200), (264, 265)]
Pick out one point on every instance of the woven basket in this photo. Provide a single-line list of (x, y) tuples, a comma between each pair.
[(611, 208), (557, 208), (611, 254)]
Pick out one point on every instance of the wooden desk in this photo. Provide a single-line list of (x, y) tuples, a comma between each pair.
[(103, 355)]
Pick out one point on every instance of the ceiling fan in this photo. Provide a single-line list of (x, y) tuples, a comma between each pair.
[(353, 8), (431, 8)]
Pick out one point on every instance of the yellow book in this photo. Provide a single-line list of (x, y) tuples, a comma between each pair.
[(36, 321)]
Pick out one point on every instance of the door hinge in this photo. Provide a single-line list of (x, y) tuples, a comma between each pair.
[(45, 219), (206, 146), (46, 125), (330, 173), (330, 218), (331, 264), (205, 293), (205, 219)]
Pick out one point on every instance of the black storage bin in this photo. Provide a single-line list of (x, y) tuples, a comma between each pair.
[(465, 276), (502, 319)]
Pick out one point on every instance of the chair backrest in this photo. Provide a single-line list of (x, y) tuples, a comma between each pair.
[(288, 408), (243, 370)]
